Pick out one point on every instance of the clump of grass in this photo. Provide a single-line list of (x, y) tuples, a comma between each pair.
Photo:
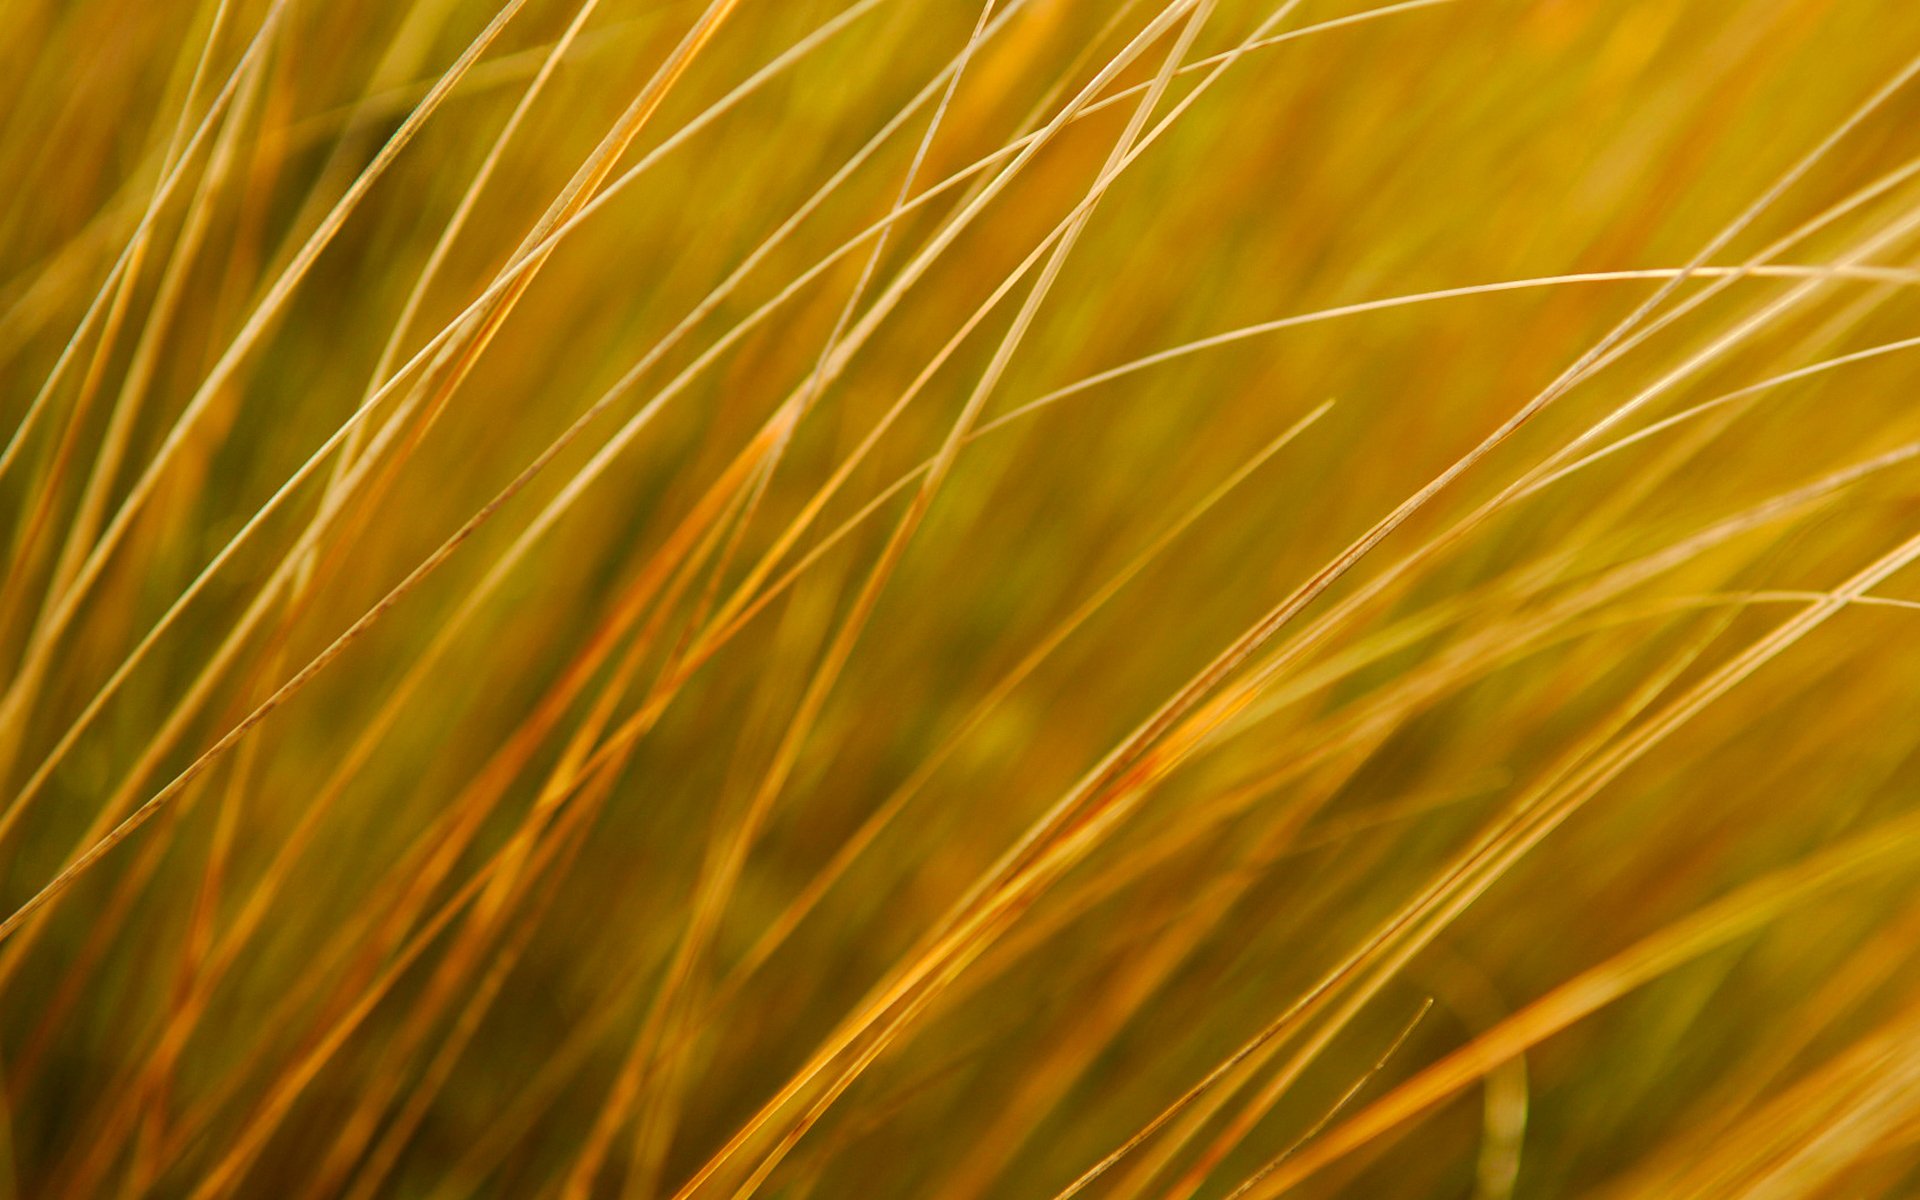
[(1198, 598)]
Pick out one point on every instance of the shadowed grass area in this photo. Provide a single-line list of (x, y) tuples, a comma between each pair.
[(991, 598)]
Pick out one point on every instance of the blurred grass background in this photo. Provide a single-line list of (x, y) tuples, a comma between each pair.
[(1208, 598)]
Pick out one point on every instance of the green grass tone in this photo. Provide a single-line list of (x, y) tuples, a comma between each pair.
[(959, 599)]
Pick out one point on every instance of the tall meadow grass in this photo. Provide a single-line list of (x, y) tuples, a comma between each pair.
[(959, 598)]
